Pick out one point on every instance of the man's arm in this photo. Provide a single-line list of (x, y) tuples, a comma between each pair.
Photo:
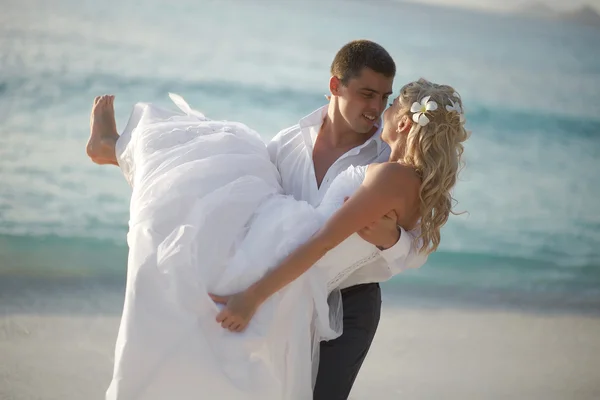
[(405, 253), (273, 148), (399, 247)]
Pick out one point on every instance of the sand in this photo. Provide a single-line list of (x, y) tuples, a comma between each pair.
[(57, 343)]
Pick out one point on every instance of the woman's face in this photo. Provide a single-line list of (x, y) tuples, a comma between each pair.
[(391, 119)]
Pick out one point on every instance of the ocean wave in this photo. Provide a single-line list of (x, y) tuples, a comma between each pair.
[(46, 88), (62, 256)]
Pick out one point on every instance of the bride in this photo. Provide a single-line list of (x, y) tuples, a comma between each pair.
[(209, 223)]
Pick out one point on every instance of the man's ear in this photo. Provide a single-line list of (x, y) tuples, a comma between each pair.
[(335, 85)]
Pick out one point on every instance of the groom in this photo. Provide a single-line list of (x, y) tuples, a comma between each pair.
[(309, 155)]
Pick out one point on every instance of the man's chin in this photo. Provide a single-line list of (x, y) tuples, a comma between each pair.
[(364, 129)]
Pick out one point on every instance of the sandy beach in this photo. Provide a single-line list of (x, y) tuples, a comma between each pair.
[(56, 342)]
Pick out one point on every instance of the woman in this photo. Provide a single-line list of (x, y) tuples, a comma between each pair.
[(208, 218)]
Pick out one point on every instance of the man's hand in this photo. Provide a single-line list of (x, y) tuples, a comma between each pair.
[(383, 233)]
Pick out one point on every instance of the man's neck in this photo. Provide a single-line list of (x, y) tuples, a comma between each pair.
[(333, 141)]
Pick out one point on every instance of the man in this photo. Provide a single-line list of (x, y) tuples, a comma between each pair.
[(309, 155)]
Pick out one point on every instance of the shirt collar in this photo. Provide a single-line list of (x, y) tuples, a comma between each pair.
[(311, 124)]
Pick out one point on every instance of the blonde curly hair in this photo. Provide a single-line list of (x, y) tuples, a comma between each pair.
[(435, 151)]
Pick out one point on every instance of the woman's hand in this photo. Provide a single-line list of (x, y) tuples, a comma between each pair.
[(239, 310)]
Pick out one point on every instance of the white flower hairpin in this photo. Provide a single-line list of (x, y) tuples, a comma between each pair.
[(455, 106), (420, 109)]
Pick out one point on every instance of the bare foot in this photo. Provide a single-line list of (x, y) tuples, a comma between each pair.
[(103, 138)]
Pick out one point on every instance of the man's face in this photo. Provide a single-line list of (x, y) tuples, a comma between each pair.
[(363, 99)]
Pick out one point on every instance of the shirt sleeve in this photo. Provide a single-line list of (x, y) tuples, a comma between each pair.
[(273, 149), (404, 255)]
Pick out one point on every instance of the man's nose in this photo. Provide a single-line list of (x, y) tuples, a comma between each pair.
[(378, 105)]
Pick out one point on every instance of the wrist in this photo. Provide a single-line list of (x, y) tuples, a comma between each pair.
[(256, 293)]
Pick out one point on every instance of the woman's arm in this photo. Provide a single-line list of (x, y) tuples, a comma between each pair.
[(374, 198), (381, 192)]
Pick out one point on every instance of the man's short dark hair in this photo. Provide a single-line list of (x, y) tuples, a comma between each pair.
[(358, 54)]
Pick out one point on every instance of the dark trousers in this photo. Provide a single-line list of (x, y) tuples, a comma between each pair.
[(341, 359)]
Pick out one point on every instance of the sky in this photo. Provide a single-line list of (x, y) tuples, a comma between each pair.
[(502, 5)]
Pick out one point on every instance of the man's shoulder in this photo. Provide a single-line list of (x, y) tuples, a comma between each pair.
[(289, 133), (285, 143), (295, 131)]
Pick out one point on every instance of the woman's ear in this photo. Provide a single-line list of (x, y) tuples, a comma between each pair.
[(404, 124)]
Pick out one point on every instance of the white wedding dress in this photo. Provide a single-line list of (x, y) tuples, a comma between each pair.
[(208, 215)]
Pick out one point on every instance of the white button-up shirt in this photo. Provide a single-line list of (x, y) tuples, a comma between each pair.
[(291, 151)]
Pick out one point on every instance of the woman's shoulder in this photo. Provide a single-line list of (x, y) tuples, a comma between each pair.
[(394, 175)]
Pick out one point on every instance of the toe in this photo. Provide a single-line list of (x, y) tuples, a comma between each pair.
[(104, 101)]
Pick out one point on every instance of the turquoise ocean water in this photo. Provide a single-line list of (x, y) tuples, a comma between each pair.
[(531, 91)]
